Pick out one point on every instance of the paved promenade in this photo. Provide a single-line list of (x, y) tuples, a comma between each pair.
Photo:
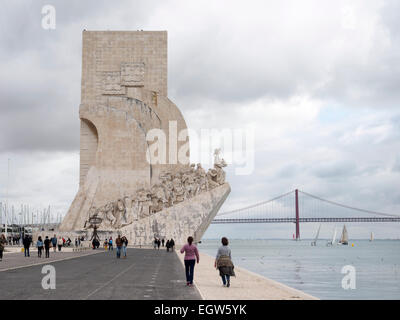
[(97, 274), (245, 286)]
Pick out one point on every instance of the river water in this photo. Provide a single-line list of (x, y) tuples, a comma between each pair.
[(317, 270)]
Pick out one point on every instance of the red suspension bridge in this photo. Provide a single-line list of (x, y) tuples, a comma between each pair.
[(297, 207)]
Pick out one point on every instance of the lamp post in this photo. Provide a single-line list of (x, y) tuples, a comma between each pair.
[(95, 223), (8, 184)]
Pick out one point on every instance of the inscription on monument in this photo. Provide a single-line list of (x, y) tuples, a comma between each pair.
[(112, 83), (132, 74)]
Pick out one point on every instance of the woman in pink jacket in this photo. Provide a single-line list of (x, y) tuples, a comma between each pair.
[(191, 255)]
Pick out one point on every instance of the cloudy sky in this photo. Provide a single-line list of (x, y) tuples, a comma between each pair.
[(317, 82)]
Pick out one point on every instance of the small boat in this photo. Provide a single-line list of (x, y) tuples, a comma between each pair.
[(371, 238), (344, 239), (314, 243), (332, 243)]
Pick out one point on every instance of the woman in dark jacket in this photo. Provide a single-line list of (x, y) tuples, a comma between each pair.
[(27, 243), (223, 262), (39, 245), (3, 242)]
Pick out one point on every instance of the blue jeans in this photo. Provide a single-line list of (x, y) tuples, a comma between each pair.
[(26, 250), (189, 269), (124, 250), (118, 252), (225, 278)]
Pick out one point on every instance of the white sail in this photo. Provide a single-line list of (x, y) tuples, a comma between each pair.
[(316, 237), (345, 237), (314, 243), (334, 236), (371, 237)]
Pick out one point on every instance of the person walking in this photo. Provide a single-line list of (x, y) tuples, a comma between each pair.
[(3, 243), (54, 243), (172, 244), (110, 244), (162, 242), (27, 243), (191, 255), (124, 245), (118, 243), (60, 243), (167, 245), (47, 247), (94, 243), (158, 244), (223, 262), (39, 246)]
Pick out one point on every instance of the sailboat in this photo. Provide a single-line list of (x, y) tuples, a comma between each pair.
[(314, 243), (345, 237), (371, 238), (332, 243)]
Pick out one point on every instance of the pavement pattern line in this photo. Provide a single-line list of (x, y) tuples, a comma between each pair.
[(50, 261), (108, 282)]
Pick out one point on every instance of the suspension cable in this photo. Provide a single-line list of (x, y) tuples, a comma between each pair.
[(349, 207), (255, 205)]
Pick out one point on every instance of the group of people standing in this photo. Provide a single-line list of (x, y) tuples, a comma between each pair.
[(170, 244), (41, 245), (223, 261), (121, 244), (46, 244)]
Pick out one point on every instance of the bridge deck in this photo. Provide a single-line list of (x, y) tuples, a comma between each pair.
[(293, 220)]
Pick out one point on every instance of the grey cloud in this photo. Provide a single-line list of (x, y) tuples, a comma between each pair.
[(396, 166), (227, 62), (334, 170)]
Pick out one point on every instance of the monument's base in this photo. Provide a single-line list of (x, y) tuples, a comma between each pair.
[(188, 218)]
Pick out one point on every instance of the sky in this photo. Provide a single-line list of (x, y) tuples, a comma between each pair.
[(317, 82)]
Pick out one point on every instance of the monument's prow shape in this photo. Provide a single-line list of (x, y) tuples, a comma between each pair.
[(123, 96)]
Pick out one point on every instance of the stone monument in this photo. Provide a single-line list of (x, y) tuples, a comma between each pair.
[(123, 97)]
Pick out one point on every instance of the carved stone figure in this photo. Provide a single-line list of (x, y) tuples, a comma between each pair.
[(144, 203), (217, 158), (201, 178), (130, 209), (168, 188), (188, 180), (158, 199), (211, 178), (179, 190), (109, 213), (120, 213)]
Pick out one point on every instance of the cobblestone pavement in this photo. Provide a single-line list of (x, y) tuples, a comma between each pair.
[(145, 274)]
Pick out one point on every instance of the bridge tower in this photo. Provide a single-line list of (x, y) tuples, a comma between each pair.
[(296, 192)]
